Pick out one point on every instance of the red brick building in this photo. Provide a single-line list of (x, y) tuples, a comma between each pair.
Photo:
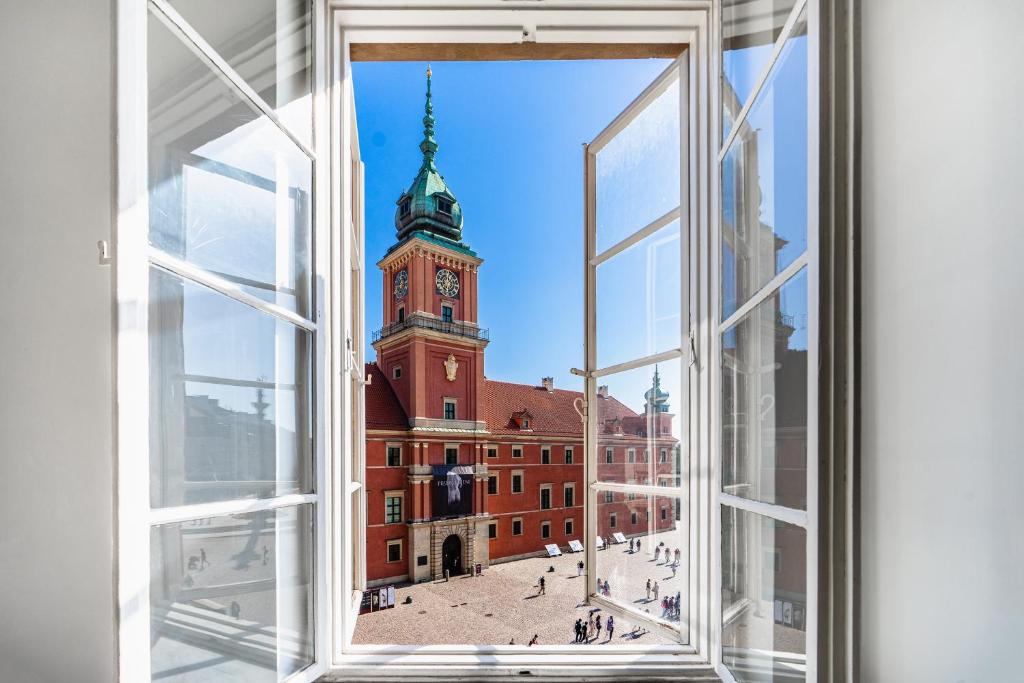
[(464, 470)]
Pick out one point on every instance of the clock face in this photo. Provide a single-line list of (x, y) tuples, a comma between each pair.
[(401, 284), (447, 282)]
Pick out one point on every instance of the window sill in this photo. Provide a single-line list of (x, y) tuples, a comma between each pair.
[(528, 665)]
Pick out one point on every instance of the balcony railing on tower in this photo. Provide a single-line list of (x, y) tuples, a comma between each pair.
[(427, 322)]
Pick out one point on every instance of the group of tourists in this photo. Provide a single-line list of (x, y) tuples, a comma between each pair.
[(634, 545), (652, 589), (603, 588), (590, 630), (670, 607)]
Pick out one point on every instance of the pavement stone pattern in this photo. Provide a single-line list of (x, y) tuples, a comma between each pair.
[(503, 604)]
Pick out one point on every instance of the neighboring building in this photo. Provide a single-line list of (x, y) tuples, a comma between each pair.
[(464, 470)]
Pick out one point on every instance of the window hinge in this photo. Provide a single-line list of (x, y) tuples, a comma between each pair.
[(581, 373)]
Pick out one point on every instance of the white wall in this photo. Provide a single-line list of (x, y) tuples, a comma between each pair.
[(943, 341), (56, 462)]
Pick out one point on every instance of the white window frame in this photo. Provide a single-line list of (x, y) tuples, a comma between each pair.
[(444, 408), (387, 456), (455, 447), (133, 258), (400, 494), (517, 452), (512, 482), (491, 447), (395, 542), (540, 497), (569, 455)]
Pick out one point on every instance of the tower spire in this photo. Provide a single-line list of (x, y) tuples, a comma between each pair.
[(429, 145)]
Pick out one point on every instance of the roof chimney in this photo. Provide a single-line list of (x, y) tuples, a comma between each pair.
[(548, 383), (602, 391)]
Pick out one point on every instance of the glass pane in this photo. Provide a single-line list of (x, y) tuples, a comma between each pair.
[(232, 597), (749, 31), (638, 171), (644, 560), (764, 597), (267, 42), (764, 400), (228, 191), (764, 182), (230, 398), (641, 426), (638, 299)]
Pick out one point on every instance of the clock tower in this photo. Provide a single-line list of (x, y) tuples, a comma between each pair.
[(430, 346)]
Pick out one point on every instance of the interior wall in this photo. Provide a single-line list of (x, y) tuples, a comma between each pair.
[(56, 454), (942, 454)]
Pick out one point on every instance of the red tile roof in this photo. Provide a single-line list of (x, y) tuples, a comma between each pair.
[(552, 412), (383, 411)]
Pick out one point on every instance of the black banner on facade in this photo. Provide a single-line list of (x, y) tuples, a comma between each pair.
[(452, 491)]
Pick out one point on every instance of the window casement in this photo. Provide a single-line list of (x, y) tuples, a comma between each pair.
[(492, 530), (446, 313), (393, 503), (451, 454), (517, 526), (444, 206), (492, 452), (545, 496), (609, 496), (741, 282), (449, 408), (517, 451), (663, 455), (394, 455), (396, 372), (568, 494), (517, 481), (545, 455), (568, 526), (630, 455), (492, 484), (394, 551), (633, 518), (609, 455), (545, 529), (568, 456), (526, 423)]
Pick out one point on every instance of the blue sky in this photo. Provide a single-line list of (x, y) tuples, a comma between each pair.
[(510, 136)]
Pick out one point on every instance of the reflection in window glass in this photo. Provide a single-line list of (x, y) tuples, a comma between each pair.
[(764, 400), (749, 31), (638, 171), (639, 290), (230, 397), (646, 566), (267, 42), (764, 597), (764, 181), (228, 191), (231, 598), (642, 409)]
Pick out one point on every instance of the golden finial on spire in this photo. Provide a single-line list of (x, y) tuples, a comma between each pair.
[(429, 72)]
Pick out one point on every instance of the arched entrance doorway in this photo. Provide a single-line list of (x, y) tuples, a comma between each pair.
[(451, 555)]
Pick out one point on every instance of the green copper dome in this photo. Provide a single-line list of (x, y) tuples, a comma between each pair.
[(429, 206)]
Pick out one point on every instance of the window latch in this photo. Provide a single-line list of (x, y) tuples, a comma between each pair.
[(693, 351)]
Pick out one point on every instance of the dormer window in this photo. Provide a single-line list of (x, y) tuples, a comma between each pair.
[(444, 206), (404, 208)]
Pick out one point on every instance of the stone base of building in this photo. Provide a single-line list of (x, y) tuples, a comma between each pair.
[(462, 543)]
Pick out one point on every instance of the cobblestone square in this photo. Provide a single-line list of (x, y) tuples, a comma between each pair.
[(504, 603)]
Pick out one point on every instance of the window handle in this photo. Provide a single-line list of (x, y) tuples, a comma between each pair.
[(693, 351)]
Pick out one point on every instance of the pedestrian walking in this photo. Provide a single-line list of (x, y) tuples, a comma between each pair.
[(597, 626), (673, 571), (638, 545), (655, 590), (579, 630), (664, 606), (541, 592), (611, 626), (579, 568), (631, 545), (203, 562), (648, 590), (590, 625), (678, 555), (533, 641), (668, 552), (657, 553), (607, 589)]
